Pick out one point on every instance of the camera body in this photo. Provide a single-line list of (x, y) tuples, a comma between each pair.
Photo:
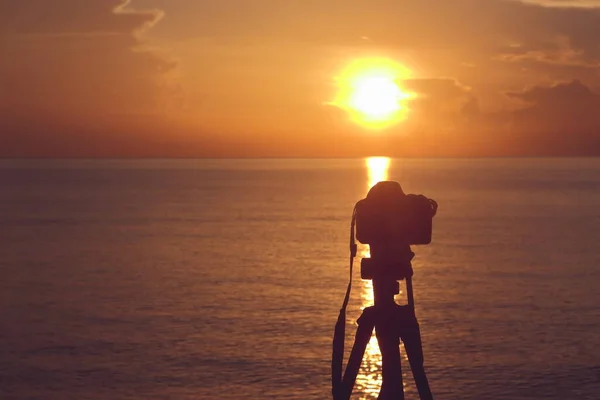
[(387, 215), (390, 221)]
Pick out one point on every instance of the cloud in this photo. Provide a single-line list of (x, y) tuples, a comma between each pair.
[(507, 43), (438, 95), (570, 95), (565, 3), (554, 120), (427, 24), (559, 119), (570, 109), (561, 54), (73, 63), (83, 67), (73, 17)]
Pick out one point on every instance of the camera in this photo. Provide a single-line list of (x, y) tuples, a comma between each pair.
[(387, 215), (390, 221)]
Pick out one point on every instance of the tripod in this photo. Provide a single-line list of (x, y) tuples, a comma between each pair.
[(392, 323), (390, 263)]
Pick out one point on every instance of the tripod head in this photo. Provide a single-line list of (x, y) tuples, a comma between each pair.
[(387, 263), (385, 268)]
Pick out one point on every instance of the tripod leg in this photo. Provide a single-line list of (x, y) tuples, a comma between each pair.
[(389, 345), (411, 337), (366, 323)]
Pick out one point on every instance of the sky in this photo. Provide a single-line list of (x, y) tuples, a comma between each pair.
[(260, 78)]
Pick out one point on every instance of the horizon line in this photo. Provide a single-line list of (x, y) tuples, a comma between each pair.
[(127, 158)]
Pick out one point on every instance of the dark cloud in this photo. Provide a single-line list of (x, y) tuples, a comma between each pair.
[(564, 117), (562, 96), (556, 120), (71, 63), (571, 31)]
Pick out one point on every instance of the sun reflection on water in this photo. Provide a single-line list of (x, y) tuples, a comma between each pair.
[(369, 379), (377, 168)]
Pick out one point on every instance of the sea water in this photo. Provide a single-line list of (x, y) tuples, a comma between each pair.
[(222, 279)]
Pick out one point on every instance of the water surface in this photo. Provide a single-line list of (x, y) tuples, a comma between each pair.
[(222, 279)]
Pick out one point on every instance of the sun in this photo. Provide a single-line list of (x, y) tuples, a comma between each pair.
[(370, 92)]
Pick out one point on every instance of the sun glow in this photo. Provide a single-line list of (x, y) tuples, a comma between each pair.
[(370, 92)]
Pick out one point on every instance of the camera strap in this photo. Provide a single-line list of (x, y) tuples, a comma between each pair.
[(339, 335)]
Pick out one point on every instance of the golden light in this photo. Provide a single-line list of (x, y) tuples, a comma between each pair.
[(377, 168), (369, 90), (369, 378)]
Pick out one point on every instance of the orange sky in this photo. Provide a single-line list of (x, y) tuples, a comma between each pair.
[(237, 78)]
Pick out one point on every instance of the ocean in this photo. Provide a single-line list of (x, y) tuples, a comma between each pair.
[(222, 279)]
